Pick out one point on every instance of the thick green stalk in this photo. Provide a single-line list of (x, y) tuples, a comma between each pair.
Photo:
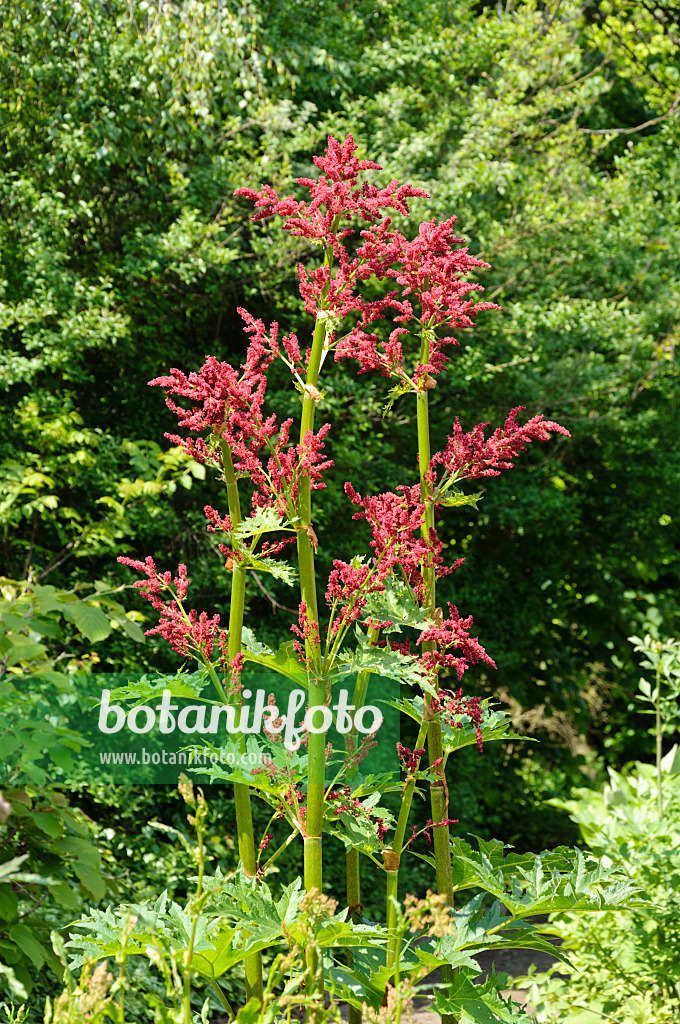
[(316, 690), (313, 864), (353, 872), (352, 860), (391, 860), (244, 818), (392, 856), (438, 789)]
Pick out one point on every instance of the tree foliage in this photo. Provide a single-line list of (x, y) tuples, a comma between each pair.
[(123, 252)]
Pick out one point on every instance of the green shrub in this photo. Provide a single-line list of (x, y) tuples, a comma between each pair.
[(625, 963)]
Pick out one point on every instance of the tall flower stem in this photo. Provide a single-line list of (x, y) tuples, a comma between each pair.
[(316, 689), (438, 790), (392, 855), (244, 818), (352, 857)]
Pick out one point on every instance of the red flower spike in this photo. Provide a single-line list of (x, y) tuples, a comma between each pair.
[(431, 273), (396, 521), (381, 829), (471, 456), (185, 632), (335, 194)]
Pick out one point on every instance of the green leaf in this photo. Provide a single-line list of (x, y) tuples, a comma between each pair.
[(274, 567), (90, 621), (28, 944), (435, 952), (22, 649), (150, 687), (284, 661), (383, 662), (91, 879), (13, 984), (367, 979), (396, 604), (533, 884), (457, 499), (65, 895), (133, 630), (402, 388), (50, 824), (8, 902), (251, 1013), (8, 744), (496, 726), (472, 1003), (265, 520)]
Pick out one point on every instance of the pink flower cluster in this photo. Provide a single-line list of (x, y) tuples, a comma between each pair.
[(428, 269), (455, 648), (306, 630), (449, 707), (226, 399), (396, 520), (186, 632), (348, 588), (333, 197), (471, 455), (231, 405), (410, 759)]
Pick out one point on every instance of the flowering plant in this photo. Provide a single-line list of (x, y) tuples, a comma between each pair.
[(379, 615)]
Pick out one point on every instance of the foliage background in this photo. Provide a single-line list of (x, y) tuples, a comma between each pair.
[(549, 129)]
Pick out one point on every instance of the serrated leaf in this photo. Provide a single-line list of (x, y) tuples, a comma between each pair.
[(90, 621), (284, 661), (251, 644), (148, 688), (367, 979), (395, 603), (531, 884), (496, 726), (435, 952), (478, 929), (265, 520), (402, 388), (457, 499), (478, 1004), (383, 662), (274, 567), (357, 832)]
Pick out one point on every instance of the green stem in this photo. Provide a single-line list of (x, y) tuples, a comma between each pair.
[(352, 859), (392, 856), (352, 865), (244, 817), (222, 998), (316, 693), (196, 909), (392, 892), (438, 790)]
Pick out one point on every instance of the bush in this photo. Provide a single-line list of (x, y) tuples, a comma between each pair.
[(624, 963)]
